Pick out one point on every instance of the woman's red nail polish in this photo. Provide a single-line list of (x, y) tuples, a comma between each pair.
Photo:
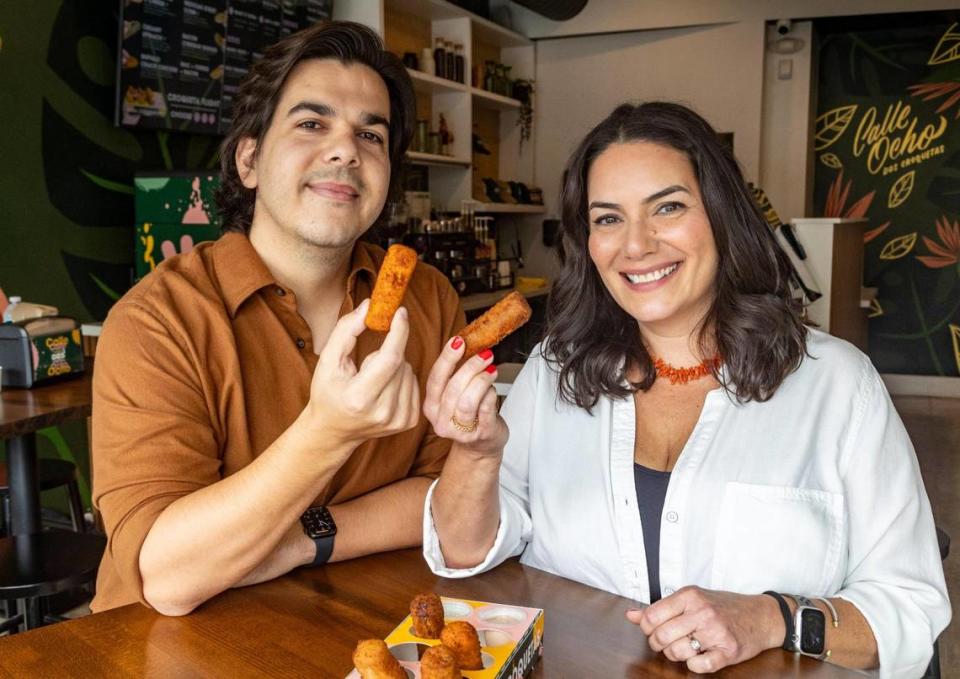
[(485, 354), (456, 343), (492, 368)]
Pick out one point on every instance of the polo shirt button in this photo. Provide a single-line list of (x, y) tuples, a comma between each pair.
[(280, 292), (301, 343), (672, 517)]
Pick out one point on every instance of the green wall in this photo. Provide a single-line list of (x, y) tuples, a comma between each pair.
[(66, 173)]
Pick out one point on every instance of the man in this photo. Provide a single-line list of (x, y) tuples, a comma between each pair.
[(229, 400)]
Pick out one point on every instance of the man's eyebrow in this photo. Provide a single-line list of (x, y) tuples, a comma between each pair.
[(374, 119), (316, 107), (327, 111)]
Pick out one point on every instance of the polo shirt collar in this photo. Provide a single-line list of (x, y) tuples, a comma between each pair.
[(242, 273), (239, 269)]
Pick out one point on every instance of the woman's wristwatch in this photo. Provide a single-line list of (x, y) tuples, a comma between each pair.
[(806, 627)]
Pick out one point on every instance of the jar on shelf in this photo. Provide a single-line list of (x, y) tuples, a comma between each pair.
[(427, 65), (488, 76), (421, 140)]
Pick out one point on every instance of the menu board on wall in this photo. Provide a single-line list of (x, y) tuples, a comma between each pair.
[(181, 61), (887, 145)]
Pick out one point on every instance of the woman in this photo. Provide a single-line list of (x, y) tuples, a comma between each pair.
[(681, 434)]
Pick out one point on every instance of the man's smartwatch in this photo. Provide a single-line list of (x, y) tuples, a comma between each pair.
[(810, 629), (320, 527)]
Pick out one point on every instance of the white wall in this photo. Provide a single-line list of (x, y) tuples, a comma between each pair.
[(611, 16), (717, 70), (785, 151)]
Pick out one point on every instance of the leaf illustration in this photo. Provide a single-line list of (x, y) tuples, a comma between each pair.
[(948, 49), (875, 308), (944, 190), (74, 166), (955, 336), (899, 247), (928, 91), (831, 125), (873, 233), (98, 283), (901, 189), (831, 160)]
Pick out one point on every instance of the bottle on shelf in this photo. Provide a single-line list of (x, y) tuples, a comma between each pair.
[(421, 140), (439, 58), (458, 62), (488, 76), (446, 138), (451, 67)]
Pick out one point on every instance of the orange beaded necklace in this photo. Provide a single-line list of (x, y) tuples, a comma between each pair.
[(684, 375)]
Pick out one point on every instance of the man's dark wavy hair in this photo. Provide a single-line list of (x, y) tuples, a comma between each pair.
[(756, 324), (256, 102)]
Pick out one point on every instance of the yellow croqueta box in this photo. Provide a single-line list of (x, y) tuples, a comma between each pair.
[(511, 639)]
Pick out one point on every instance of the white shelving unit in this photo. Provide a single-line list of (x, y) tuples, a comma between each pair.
[(463, 106), (434, 160)]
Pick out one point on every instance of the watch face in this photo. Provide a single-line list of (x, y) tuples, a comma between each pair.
[(318, 523), (813, 629)]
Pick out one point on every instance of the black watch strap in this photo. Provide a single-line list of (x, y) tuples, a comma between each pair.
[(324, 550), (788, 638)]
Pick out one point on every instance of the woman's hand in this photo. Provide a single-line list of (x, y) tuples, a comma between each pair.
[(728, 627), (462, 404)]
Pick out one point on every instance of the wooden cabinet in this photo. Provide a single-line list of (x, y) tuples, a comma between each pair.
[(410, 26), (834, 249)]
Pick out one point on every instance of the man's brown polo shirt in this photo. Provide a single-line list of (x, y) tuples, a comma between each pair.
[(204, 363)]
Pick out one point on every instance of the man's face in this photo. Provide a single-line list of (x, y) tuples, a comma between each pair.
[(322, 171)]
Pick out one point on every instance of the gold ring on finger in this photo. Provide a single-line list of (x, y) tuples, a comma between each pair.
[(465, 428)]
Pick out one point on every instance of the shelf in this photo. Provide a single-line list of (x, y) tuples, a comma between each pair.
[(426, 83), (497, 102), (418, 158), (509, 208), (485, 30), (482, 300)]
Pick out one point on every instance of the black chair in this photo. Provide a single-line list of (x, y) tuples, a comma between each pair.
[(51, 474), (36, 566)]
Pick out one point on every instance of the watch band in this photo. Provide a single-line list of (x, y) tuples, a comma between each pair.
[(324, 550), (788, 642)]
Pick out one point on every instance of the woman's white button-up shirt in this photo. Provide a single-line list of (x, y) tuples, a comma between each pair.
[(816, 492)]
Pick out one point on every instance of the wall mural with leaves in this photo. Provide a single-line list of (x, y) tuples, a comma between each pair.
[(66, 173), (887, 147)]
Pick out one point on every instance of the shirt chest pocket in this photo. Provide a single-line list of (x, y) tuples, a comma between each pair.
[(780, 538)]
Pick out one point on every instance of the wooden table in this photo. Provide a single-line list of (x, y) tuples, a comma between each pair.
[(307, 623)]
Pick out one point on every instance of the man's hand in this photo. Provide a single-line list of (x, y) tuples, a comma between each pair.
[(379, 399), (730, 628)]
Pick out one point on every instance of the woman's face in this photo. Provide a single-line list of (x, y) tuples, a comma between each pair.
[(650, 238)]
